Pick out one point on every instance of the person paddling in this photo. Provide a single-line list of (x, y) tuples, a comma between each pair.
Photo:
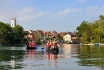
[(32, 44), (55, 45), (48, 45)]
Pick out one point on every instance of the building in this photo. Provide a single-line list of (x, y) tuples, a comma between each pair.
[(71, 37), (13, 22), (67, 38)]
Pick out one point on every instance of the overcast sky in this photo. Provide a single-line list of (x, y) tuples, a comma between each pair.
[(49, 15)]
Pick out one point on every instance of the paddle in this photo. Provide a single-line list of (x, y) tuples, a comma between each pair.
[(36, 47)]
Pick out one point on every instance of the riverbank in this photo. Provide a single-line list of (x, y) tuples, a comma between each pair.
[(94, 44)]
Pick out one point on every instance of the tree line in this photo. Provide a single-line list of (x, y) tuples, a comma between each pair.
[(10, 35), (87, 32), (16, 35), (91, 32)]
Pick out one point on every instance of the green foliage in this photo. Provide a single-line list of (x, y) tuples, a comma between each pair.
[(18, 34), (102, 40), (91, 32), (9, 35), (47, 38), (37, 38), (95, 40), (5, 32)]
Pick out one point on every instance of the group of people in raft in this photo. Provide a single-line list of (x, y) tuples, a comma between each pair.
[(49, 45), (52, 45), (31, 45)]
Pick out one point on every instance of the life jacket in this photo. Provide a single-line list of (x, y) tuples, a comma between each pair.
[(33, 45), (30, 44), (49, 44), (55, 44)]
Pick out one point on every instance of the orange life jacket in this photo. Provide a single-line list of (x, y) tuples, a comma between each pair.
[(33, 45), (55, 44), (30, 44), (49, 44)]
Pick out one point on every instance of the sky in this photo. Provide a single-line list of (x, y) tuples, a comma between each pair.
[(49, 15)]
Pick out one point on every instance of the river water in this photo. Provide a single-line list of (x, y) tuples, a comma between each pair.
[(70, 57)]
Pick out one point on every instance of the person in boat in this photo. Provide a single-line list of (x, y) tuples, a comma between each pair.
[(55, 45), (48, 45), (31, 45)]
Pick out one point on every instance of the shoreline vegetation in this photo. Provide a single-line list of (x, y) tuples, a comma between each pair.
[(91, 32)]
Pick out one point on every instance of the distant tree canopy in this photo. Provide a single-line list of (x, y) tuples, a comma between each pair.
[(9, 35), (91, 32)]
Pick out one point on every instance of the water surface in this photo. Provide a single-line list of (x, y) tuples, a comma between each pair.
[(70, 57)]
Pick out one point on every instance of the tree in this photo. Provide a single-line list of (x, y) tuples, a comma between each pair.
[(18, 34), (9, 35), (91, 32), (84, 31), (5, 32), (37, 38)]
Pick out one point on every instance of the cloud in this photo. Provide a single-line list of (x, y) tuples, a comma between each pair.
[(29, 13), (25, 14), (27, 10), (67, 11), (26, 17), (94, 10)]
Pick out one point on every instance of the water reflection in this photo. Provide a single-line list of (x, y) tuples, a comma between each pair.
[(67, 50), (72, 56), (91, 56), (9, 59), (12, 64), (31, 54), (52, 56)]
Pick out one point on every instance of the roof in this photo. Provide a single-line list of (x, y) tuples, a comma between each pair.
[(13, 18)]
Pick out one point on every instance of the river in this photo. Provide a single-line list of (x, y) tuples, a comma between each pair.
[(70, 57)]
